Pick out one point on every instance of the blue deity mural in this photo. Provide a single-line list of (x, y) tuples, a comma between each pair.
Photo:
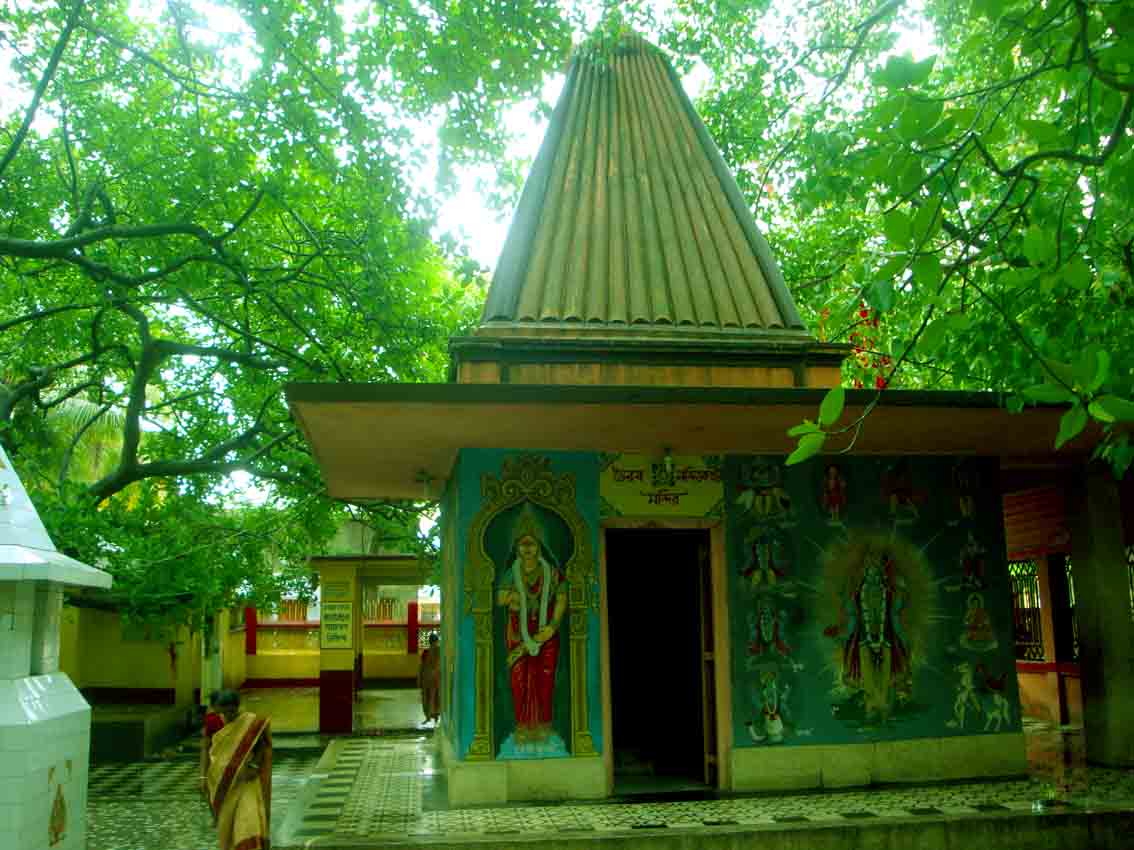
[(866, 601)]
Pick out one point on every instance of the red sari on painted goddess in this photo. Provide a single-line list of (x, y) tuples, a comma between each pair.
[(535, 594)]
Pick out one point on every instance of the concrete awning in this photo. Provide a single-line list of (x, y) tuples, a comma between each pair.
[(26, 550), (383, 441)]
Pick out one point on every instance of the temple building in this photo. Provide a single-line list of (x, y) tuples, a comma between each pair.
[(639, 594)]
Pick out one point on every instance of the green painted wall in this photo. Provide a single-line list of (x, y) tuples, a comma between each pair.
[(869, 600)]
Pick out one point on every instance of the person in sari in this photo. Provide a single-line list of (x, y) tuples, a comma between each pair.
[(534, 591), (429, 680), (239, 777)]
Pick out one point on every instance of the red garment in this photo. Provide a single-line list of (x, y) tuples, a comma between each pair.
[(834, 495), (213, 724), (533, 676)]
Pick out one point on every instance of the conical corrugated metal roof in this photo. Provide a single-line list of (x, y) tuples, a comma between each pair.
[(631, 219)]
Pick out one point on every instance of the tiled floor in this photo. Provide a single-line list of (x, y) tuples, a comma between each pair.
[(390, 787), (158, 804)]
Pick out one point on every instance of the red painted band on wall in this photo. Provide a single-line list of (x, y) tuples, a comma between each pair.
[(1064, 668)]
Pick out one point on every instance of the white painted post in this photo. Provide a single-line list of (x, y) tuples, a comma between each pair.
[(45, 724)]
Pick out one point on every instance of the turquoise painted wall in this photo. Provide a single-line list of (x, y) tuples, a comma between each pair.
[(451, 578), (473, 465), (869, 600)]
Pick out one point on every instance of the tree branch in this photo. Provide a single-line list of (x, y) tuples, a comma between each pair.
[(44, 82), (63, 249)]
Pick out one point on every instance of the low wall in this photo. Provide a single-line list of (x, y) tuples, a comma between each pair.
[(853, 765), (287, 655), (1050, 691), (111, 661), (1039, 695), (282, 668)]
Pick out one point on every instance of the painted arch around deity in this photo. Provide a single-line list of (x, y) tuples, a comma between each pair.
[(530, 589)]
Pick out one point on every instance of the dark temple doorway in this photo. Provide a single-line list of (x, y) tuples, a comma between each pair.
[(657, 583)]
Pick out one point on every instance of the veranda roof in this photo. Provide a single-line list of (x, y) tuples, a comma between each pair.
[(400, 441)]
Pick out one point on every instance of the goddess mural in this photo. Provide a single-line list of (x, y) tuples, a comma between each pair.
[(875, 656), (534, 592)]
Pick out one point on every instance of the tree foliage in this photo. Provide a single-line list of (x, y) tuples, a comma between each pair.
[(962, 218), (201, 200), (200, 203)]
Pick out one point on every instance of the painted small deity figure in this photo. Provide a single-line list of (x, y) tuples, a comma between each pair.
[(834, 494), (988, 700), (764, 629), (769, 726), (764, 494), (534, 592), (875, 649), (978, 635), (972, 564), (767, 559), (898, 492), (965, 481)]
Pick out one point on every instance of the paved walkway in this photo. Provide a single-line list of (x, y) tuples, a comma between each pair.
[(389, 789)]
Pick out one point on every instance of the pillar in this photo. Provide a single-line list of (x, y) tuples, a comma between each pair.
[(1106, 632), (339, 645), (45, 724)]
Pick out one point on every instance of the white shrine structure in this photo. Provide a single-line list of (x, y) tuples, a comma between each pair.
[(45, 724)]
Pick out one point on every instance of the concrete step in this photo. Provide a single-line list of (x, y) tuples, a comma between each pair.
[(1101, 829)]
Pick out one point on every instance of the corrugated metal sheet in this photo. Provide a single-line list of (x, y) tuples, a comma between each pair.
[(1035, 523), (630, 216)]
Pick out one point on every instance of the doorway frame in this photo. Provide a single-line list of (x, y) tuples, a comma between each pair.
[(722, 664)]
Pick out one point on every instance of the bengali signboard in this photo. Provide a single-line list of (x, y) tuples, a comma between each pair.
[(336, 591), (337, 619), (647, 485)]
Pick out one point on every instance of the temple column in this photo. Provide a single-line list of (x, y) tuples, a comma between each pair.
[(1106, 632)]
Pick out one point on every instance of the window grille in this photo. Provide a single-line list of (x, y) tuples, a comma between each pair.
[(1027, 618), (1071, 605)]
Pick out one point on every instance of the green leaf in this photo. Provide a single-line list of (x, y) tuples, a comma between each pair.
[(880, 294), (919, 118), (1048, 394), (959, 320), (1077, 274), (1092, 368), (1119, 409), (1071, 425), (1100, 412), (809, 444), (933, 335), (920, 71), (897, 227), (926, 223), (831, 408), (1062, 372), (927, 272), (806, 427), (897, 73), (1044, 133), (1038, 247)]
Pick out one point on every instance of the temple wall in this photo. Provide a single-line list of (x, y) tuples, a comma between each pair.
[(917, 541), (869, 618), (565, 528)]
